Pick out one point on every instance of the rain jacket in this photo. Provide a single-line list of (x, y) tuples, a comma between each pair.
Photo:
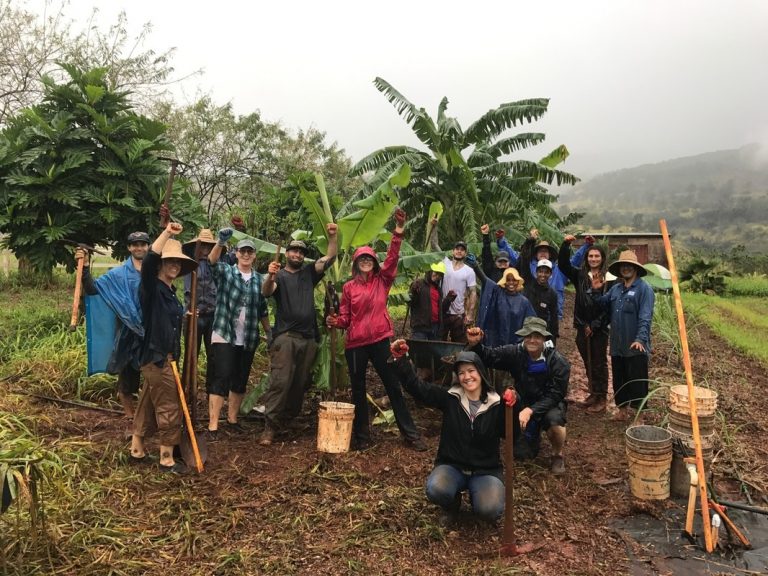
[(363, 310)]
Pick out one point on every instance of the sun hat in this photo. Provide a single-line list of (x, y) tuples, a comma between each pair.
[(533, 324), (204, 237), (297, 245), (545, 263), (136, 237), (511, 272), (438, 267), (172, 251), (246, 243), (627, 257), (551, 249)]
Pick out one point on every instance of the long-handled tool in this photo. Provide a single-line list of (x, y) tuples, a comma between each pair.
[(508, 545), (729, 524), (76, 297), (188, 419), (332, 307), (691, 390)]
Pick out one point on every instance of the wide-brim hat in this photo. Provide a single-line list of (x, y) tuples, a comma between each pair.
[(511, 272), (467, 357), (534, 324), (438, 267), (205, 237), (551, 249), (173, 250), (627, 257)]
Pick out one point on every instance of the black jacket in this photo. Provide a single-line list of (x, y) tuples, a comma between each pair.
[(539, 392), (472, 446), (421, 304), (544, 302), (586, 311)]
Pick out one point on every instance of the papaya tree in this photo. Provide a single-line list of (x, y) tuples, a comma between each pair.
[(82, 166), (467, 171)]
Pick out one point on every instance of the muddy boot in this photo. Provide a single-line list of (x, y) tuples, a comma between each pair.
[(598, 407), (267, 437), (589, 401)]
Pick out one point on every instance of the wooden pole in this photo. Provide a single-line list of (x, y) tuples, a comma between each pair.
[(187, 418), (691, 392), (78, 290)]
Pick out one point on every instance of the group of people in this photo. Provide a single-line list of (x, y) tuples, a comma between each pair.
[(510, 356)]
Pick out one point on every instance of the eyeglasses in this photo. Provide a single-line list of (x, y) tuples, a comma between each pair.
[(365, 259), (245, 250)]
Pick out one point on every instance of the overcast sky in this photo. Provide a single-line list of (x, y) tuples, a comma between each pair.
[(629, 82)]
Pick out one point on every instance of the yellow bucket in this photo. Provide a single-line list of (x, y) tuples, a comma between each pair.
[(334, 426), (649, 452)]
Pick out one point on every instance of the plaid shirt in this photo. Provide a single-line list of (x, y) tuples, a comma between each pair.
[(232, 293)]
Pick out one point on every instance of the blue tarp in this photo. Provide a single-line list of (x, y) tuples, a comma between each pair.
[(100, 327)]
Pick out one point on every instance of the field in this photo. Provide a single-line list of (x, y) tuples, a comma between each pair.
[(287, 509)]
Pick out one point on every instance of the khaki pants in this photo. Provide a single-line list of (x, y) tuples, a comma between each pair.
[(159, 408)]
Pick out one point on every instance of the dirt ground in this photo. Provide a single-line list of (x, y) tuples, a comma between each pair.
[(288, 509)]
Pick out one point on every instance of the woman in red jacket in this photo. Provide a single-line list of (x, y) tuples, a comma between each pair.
[(363, 313)]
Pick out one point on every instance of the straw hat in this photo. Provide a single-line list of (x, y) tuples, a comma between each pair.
[(205, 237), (551, 249), (172, 250), (627, 257)]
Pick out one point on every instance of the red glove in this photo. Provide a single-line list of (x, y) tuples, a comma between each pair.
[(400, 217), (451, 296), (509, 397), (499, 234), (398, 348), (589, 240), (238, 223)]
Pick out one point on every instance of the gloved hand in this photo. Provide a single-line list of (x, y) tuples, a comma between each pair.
[(165, 214), (451, 296), (237, 223), (589, 240), (499, 234), (400, 217), (398, 348), (224, 235), (510, 397), (471, 259)]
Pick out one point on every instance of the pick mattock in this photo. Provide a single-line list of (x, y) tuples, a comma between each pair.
[(691, 391), (78, 283)]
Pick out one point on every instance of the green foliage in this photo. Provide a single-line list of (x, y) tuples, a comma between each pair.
[(705, 274), (752, 285), (464, 170), (79, 166)]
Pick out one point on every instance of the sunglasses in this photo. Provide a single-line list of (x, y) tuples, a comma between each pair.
[(365, 259), (246, 250)]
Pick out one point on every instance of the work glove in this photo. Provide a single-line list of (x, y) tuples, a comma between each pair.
[(400, 217), (237, 223), (499, 234), (471, 259), (398, 348), (451, 296), (165, 214), (589, 240), (224, 235), (510, 397)]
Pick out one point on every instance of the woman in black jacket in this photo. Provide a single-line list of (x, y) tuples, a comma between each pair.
[(468, 457)]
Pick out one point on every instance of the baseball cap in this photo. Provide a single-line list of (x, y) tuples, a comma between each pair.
[(545, 263), (246, 243), (136, 237)]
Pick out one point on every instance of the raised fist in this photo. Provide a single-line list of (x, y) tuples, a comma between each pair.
[(400, 217), (224, 235), (569, 238), (274, 267), (499, 234), (485, 229), (589, 240), (398, 348), (474, 335), (174, 228), (332, 229)]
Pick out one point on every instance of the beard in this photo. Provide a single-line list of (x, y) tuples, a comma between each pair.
[(293, 265)]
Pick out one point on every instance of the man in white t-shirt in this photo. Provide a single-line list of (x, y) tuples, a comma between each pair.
[(458, 284)]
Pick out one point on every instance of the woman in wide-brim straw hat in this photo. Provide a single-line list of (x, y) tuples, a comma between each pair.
[(159, 409)]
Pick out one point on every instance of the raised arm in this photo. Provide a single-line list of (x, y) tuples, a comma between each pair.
[(322, 264)]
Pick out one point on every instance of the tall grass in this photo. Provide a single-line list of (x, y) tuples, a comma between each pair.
[(752, 285)]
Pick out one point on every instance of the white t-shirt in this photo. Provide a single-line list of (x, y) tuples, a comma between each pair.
[(459, 281)]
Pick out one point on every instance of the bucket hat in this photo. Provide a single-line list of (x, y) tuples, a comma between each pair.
[(172, 251), (297, 245), (534, 324), (438, 267), (627, 257), (551, 249), (515, 274), (135, 237)]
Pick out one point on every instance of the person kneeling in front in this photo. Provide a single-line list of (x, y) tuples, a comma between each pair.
[(541, 382)]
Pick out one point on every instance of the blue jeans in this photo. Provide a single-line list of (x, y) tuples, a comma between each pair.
[(486, 492)]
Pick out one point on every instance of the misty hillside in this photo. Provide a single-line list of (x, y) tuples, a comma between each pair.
[(713, 200)]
